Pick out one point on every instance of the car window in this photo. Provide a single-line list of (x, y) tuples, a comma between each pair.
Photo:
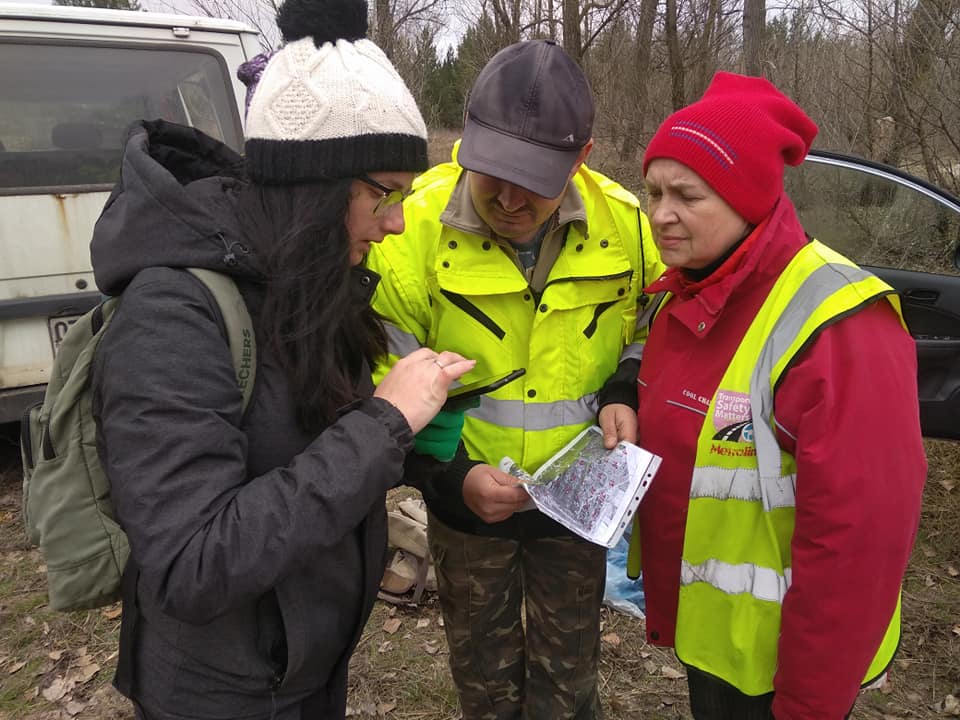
[(64, 109), (875, 216)]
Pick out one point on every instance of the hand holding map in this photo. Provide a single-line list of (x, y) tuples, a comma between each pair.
[(589, 489)]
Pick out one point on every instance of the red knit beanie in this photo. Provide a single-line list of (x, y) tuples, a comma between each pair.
[(737, 137)]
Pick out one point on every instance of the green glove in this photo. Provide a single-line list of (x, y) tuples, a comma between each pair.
[(441, 437)]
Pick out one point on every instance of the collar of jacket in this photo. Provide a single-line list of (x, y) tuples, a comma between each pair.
[(363, 282)]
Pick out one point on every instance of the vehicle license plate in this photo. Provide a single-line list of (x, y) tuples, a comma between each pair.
[(58, 327)]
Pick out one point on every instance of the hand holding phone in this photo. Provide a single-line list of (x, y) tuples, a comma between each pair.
[(465, 396)]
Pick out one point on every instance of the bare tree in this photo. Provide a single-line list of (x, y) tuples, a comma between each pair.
[(674, 57), (572, 41), (396, 19), (261, 15), (641, 72), (754, 27)]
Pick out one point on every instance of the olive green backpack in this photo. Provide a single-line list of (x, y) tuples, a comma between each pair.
[(66, 494)]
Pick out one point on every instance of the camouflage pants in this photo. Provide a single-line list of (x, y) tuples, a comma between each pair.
[(543, 667)]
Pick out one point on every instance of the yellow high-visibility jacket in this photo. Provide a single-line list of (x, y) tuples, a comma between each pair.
[(449, 289)]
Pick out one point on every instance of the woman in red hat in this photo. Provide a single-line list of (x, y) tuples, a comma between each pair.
[(779, 386)]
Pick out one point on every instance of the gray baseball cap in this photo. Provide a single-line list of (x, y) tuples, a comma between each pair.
[(529, 114)]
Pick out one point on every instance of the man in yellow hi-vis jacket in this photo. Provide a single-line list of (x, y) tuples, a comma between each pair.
[(517, 255)]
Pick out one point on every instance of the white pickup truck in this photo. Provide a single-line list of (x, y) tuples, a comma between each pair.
[(73, 79)]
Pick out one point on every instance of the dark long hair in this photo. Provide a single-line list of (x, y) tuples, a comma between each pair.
[(313, 319)]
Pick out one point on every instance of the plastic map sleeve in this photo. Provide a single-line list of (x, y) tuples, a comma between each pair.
[(588, 489)]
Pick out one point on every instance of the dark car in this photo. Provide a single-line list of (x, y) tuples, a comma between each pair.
[(907, 231)]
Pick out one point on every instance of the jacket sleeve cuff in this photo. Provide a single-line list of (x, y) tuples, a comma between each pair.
[(387, 414), (443, 490), (621, 387)]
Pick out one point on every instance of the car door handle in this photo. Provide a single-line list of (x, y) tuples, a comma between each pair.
[(921, 295)]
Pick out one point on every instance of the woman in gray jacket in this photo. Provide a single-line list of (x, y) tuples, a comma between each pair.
[(258, 536)]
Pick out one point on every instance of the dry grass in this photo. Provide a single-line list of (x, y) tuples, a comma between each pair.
[(402, 673)]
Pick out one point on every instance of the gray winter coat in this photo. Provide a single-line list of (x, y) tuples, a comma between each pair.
[(259, 549)]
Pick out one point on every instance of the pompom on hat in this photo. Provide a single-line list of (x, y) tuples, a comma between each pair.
[(738, 137), (329, 104)]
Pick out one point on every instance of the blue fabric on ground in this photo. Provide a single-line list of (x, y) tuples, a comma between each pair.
[(622, 593)]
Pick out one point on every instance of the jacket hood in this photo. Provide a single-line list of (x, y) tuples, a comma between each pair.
[(174, 206)]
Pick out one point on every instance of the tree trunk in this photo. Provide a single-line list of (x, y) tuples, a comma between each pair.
[(754, 27), (641, 70), (572, 42), (674, 58), (383, 27)]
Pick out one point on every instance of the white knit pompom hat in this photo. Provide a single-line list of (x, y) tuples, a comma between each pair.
[(329, 104)]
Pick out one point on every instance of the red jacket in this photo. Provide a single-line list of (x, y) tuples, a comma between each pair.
[(847, 411)]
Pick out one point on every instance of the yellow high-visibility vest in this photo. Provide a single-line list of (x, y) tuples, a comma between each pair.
[(733, 582)]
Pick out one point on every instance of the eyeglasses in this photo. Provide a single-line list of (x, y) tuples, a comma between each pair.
[(391, 196)]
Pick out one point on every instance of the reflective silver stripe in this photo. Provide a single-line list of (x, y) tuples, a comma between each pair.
[(816, 288), (742, 484), (646, 316), (775, 490), (536, 416), (633, 351), (760, 582), (699, 411), (725, 483), (400, 342)]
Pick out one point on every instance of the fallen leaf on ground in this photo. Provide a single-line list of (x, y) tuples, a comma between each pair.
[(55, 654), (113, 614), (952, 570), (385, 646), (56, 690), (85, 672), (422, 623), (671, 673), (16, 667), (948, 485), (385, 707), (611, 639), (75, 707), (391, 625), (430, 648)]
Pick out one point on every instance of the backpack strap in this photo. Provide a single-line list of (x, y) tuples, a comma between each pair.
[(236, 318)]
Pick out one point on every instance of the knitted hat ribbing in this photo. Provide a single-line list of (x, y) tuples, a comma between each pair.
[(329, 104), (737, 137)]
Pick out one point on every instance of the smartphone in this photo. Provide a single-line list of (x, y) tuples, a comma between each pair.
[(471, 390)]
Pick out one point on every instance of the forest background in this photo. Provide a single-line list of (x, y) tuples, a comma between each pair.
[(880, 77)]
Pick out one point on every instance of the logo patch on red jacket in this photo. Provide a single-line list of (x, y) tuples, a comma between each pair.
[(731, 417)]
